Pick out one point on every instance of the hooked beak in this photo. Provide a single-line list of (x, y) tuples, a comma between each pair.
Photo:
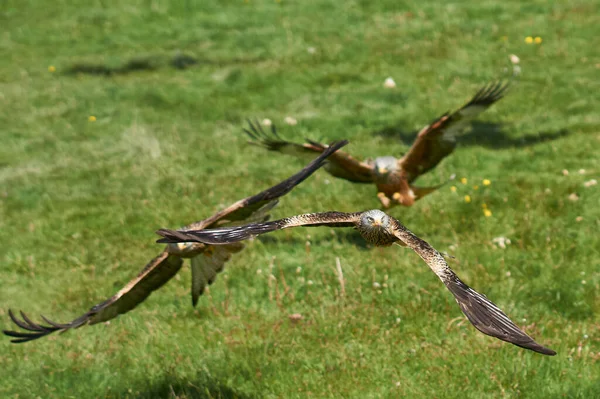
[(382, 170), (376, 222)]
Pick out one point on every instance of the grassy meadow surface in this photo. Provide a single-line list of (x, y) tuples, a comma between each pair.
[(91, 165)]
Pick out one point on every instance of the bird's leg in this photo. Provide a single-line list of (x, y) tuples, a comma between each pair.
[(384, 199)]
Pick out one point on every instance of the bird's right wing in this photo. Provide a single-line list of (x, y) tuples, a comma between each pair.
[(340, 164), (228, 235), (481, 312), (156, 273)]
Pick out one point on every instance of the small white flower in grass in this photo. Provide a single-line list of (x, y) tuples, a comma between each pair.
[(266, 122), (579, 218), (583, 281), (573, 197), (514, 59), (309, 282), (376, 285), (581, 171), (259, 271), (502, 242), (311, 50), (565, 172), (298, 270), (290, 121), (326, 181), (389, 83), (590, 183), (585, 336), (398, 320), (397, 383), (508, 274)]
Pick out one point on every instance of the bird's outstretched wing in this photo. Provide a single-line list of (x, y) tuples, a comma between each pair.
[(256, 205), (205, 265), (156, 273), (211, 260), (481, 312), (438, 139), (340, 164), (228, 235)]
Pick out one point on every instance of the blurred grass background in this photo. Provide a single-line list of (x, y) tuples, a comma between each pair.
[(80, 198)]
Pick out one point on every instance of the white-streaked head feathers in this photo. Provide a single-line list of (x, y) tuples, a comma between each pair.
[(384, 165)]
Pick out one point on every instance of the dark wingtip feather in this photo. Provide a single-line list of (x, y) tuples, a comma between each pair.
[(490, 93), (488, 318), (534, 346), (36, 330)]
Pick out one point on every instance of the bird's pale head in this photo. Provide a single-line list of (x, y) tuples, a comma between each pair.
[(385, 165), (375, 219)]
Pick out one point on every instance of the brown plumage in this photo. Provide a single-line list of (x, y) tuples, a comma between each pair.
[(393, 177), (206, 260), (380, 229)]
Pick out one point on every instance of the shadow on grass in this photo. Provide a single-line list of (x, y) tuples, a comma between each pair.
[(485, 134), (201, 387), (150, 63)]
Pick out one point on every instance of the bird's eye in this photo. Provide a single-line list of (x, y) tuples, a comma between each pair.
[(370, 219)]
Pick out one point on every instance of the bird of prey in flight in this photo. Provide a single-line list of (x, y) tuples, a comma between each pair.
[(394, 177), (380, 229), (206, 260)]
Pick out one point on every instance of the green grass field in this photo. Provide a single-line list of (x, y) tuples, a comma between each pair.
[(80, 199)]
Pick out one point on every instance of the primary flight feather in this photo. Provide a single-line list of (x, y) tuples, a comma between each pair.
[(380, 229), (206, 260)]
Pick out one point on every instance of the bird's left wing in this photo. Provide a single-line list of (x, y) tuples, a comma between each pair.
[(248, 208), (481, 312), (438, 139), (228, 235), (156, 273)]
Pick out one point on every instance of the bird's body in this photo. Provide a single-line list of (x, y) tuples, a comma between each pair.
[(393, 177), (206, 260), (380, 229)]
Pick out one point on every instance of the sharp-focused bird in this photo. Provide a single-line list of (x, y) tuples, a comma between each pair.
[(380, 229), (206, 260), (394, 177)]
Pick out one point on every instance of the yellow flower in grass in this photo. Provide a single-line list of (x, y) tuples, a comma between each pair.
[(529, 40), (487, 213), (537, 40), (453, 189), (486, 182), (476, 187), (467, 198), (92, 118), (464, 180), (51, 68)]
